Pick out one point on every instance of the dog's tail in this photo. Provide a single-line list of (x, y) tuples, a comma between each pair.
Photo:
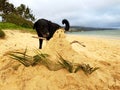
[(67, 25)]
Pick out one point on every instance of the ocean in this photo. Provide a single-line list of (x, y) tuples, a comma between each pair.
[(99, 33)]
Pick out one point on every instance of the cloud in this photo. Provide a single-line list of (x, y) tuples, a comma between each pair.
[(102, 13)]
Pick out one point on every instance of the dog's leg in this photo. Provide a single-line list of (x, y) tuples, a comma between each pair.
[(40, 43)]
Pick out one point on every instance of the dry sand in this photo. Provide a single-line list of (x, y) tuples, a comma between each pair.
[(98, 52)]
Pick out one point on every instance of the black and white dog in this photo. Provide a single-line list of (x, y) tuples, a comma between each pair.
[(46, 29)]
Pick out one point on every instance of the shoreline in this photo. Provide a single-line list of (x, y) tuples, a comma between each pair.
[(98, 36), (114, 34)]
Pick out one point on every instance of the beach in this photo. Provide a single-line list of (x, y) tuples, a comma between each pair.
[(98, 52), (105, 48)]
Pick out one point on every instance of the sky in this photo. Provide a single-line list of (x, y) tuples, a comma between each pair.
[(90, 13)]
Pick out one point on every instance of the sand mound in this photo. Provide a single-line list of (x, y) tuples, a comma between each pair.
[(59, 45), (14, 76)]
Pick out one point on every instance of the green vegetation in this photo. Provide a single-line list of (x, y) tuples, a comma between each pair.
[(2, 34), (74, 67), (66, 64), (21, 15), (23, 58), (39, 58), (88, 69), (11, 26), (18, 20), (28, 60), (43, 59)]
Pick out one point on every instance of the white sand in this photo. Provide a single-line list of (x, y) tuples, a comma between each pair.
[(99, 52)]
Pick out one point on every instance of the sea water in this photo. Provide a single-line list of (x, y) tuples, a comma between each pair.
[(99, 33)]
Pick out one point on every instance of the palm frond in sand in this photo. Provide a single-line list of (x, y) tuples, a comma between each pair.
[(88, 69), (75, 67), (66, 64), (43, 59), (40, 57), (23, 58)]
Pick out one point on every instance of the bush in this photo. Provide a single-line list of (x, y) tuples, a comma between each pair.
[(18, 20), (4, 25), (2, 34)]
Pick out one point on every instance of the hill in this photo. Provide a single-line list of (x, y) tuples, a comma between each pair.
[(83, 28)]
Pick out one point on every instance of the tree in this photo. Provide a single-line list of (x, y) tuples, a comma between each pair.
[(6, 8), (21, 13), (21, 9), (9, 8), (25, 12), (2, 4)]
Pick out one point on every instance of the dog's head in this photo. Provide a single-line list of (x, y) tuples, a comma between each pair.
[(42, 27)]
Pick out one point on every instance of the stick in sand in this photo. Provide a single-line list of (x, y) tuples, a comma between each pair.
[(39, 37), (78, 43), (70, 43)]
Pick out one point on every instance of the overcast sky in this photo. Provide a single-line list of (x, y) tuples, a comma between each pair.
[(94, 13)]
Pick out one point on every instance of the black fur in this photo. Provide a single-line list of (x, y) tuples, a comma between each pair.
[(47, 28)]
